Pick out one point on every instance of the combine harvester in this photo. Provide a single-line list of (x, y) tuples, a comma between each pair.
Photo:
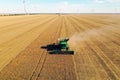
[(59, 48)]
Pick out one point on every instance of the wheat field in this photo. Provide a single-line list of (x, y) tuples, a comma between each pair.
[(95, 39)]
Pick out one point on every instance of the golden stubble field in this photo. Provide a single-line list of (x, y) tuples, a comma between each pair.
[(95, 38)]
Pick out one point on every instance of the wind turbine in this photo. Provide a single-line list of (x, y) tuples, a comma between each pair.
[(24, 3)]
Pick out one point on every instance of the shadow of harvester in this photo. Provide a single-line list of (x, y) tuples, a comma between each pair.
[(57, 49)]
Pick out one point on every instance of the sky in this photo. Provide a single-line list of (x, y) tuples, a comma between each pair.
[(60, 6)]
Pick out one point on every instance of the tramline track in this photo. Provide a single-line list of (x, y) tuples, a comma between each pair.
[(83, 55), (24, 53), (10, 44), (55, 64), (56, 36), (39, 68), (80, 53), (107, 69), (33, 76), (110, 63), (51, 40), (102, 61)]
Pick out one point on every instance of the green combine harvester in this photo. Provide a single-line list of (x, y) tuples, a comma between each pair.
[(60, 48)]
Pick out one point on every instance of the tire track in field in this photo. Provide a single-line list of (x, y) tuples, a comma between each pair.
[(88, 52), (106, 55), (90, 61), (59, 66), (102, 61), (75, 63), (18, 67), (37, 27), (107, 68), (51, 40), (83, 57), (39, 68)]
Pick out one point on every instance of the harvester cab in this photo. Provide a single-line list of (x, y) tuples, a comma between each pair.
[(63, 43), (61, 47)]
